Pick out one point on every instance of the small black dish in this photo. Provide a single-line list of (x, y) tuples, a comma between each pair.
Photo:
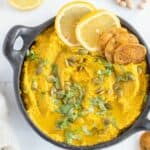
[(16, 59)]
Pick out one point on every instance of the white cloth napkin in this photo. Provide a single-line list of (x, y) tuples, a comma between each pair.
[(8, 139)]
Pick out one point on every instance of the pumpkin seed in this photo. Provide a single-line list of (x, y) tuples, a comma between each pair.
[(34, 85), (80, 68), (90, 109), (72, 59), (117, 89), (119, 92), (110, 91), (53, 91), (96, 81), (66, 63), (67, 85), (106, 121), (39, 69), (50, 78), (60, 94), (139, 69), (99, 102), (99, 91), (82, 60), (108, 106), (83, 51), (129, 76), (116, 86), (86, 130), (70, 63)]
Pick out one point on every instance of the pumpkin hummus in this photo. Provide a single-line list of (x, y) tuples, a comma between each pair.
[(78, 97)]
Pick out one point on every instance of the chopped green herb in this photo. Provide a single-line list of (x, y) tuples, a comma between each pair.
[(40, 66), (145, 98), (56, 81), (127, 76), (106, 72), (55, 101), (99, 102), (70, 136), (108, 65), (73, 114), (102, 73), (64, 109), (55, 69), (31, 55), (63, 124), (71, 99)]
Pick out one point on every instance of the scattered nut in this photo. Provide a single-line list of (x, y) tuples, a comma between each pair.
[(141, 5), (123, 4), (118, 1), (145, 141), (130, 4), (145, 1)]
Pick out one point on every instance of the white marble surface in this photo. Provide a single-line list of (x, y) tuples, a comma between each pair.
[(9, 17)]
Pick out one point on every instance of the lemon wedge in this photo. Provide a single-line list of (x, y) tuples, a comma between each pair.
[(67, 18), (90, 27), (25, 4)]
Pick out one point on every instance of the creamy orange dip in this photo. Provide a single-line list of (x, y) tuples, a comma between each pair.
[(78, 97)]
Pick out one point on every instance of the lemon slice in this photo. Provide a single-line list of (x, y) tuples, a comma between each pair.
[(25, 4), (67, 18), (92, 25)]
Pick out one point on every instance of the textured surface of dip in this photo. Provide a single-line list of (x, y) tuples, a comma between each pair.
[(78, 97)]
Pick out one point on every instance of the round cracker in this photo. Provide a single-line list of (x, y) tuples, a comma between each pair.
[(129, 53)]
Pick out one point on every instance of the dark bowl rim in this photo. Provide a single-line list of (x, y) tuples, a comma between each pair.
[(17, 74)]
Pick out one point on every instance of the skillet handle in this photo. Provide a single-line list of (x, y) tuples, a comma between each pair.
[(144, 124), (15, 56)]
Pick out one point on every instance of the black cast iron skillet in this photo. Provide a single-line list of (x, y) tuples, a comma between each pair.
[(16, 59)]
